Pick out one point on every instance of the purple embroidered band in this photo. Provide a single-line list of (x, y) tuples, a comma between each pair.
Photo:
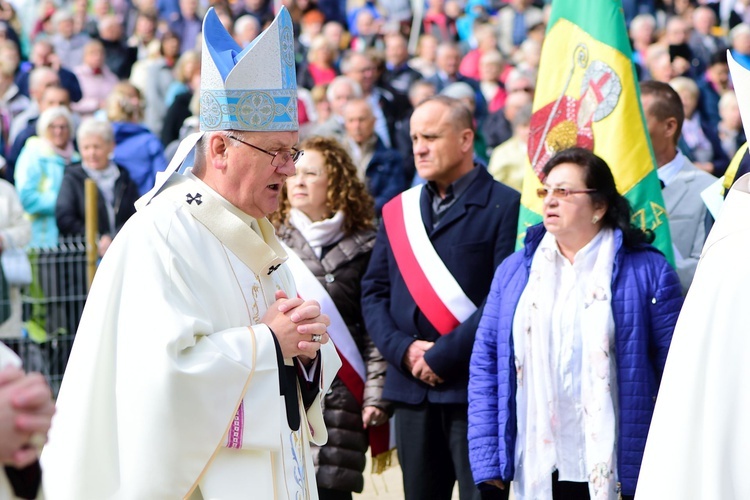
[(234, 439)]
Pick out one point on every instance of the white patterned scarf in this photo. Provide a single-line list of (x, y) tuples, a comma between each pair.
[(536, 400), (318, 234)]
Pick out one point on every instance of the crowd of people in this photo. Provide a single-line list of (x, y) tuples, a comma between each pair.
[(136, 64), (391, 178)]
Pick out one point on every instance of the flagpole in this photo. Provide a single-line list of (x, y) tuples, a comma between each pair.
[(417, 7)]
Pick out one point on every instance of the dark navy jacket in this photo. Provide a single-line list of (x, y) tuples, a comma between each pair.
[(385, 175), (474, 236), (646, 300)]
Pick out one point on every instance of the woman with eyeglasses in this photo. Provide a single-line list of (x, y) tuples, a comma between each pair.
[(39, 172), (571, 345), (326, 219)]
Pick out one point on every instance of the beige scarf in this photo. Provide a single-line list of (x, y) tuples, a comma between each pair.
[(318, 234)]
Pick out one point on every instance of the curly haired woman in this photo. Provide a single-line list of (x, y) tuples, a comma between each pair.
[(326, 218)]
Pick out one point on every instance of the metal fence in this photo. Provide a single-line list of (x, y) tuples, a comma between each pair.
[(51, 308)]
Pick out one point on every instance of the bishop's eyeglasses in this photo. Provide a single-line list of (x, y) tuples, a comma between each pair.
[(279, 158)]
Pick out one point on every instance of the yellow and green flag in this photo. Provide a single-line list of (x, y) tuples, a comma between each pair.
[(587, 96)]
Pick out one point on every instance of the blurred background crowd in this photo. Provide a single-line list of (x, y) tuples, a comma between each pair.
[(362, 66), (106, 89)]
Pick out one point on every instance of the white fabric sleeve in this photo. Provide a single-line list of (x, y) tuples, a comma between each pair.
[(8, 357), (261, 415)]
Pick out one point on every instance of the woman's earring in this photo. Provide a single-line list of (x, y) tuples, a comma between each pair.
[(595, 219)]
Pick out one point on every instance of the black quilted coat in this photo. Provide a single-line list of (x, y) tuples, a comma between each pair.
[(340, 463)]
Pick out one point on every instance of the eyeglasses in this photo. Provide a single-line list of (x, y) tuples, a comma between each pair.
[(280, 158), (561, 192)]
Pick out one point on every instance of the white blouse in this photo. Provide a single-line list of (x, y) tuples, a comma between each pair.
[(565, 354)]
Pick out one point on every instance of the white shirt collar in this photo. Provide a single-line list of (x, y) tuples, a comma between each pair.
[(584, 258), (668, 171)]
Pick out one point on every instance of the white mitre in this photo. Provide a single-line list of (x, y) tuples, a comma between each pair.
[(252, 89)]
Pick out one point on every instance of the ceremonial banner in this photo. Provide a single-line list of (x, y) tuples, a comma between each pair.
[(587, 96)]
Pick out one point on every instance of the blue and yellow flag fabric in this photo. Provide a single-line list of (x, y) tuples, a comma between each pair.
[(587, 95)]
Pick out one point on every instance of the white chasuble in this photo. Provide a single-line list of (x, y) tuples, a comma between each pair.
[(168, 350), (698, 438)]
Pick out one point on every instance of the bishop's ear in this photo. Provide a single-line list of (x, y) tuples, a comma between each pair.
[(218, 149)]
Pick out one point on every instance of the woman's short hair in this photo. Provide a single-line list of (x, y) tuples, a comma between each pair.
[(728, 100), (483, 31), (107, 22), (61, 15), (95, 127), (168, 35), (120, 106), (346, 192), (343, 80), (597, 175), (313, 16), (243, 22), (739, 30), (318, 93), (492, 57), (459, 90), (51, 114), (317, 43), (642, 20), (654, 52), (683, 83), (182, 63)]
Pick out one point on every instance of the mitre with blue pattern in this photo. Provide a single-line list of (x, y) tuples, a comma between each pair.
[(252, 89)]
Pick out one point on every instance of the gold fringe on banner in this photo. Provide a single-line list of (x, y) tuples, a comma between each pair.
[(383, 462)]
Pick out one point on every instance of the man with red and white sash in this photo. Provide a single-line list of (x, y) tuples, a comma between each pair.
[(429, 275)]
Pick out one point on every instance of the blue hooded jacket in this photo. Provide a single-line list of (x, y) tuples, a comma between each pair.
[(646, 301), (140, 152)]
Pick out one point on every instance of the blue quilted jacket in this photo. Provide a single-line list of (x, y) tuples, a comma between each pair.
[(646, 300)]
